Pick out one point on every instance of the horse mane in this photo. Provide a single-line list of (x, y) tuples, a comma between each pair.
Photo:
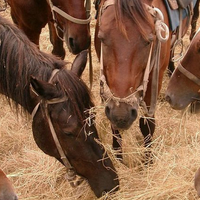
[(77, 92), (136, 11), (20, 58)]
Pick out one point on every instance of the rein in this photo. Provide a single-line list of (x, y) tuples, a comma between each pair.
[(71, 174), (153, 65)]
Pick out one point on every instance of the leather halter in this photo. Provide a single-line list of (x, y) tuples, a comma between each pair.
[(69, 17), (184, 71), (153, 65), (71, 174), (76, 21), (188, 74)]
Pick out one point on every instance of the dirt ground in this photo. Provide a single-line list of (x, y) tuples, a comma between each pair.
[(176, 150)]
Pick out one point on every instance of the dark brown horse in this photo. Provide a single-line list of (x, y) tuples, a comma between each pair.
[(184, 85), (60, 103), (70, 17), (7, 191), (132, 44)]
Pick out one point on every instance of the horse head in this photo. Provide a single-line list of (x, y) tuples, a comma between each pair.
[(65, 110), (72, 18), (184, 85), (126, 41)]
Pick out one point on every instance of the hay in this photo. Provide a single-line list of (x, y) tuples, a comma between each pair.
[(176, 152)]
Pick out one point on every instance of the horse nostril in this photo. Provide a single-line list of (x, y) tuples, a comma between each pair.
[(107, 110), (134, 113), (71, 42), (168, 99), (15, 198)]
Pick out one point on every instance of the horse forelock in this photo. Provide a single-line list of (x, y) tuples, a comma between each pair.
[(134, 10), (19, 59), (77, 92)]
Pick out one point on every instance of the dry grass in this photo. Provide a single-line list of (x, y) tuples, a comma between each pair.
[(176, 150)]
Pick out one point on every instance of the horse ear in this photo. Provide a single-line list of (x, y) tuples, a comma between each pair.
[(79, 63), (45, 90)]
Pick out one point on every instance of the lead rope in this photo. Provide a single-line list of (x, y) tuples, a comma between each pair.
[(160, 27), (88, 10)]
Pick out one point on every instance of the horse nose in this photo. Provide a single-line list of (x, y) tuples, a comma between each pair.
[(107, 110), (72, 43), (168, 99), (76, 46), (134, 114), (121, 117)]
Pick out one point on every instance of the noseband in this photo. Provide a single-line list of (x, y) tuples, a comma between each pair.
[(188, 74), (71, 174), (55, 9), (185, 72), (153, 65)]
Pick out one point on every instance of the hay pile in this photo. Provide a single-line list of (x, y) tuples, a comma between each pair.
[(176, 150)]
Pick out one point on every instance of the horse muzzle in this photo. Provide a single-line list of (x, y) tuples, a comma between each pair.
[(120, 114), (76, 44), (178, 101)]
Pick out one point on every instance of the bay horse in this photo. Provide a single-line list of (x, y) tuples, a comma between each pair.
[(133, 42), (7, 191), (60, 103), (184, 85), (68, 21)]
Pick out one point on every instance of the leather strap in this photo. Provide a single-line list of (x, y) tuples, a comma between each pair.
[(188, 74)]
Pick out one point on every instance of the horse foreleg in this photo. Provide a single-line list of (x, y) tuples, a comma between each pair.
[(57, 43), (170, 68), (147, 127), (194, 20), (117, 143)]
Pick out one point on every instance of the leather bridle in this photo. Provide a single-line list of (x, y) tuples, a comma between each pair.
[(153, 65), (71, 174), (188, 74), (184, 71), (55, 9)]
